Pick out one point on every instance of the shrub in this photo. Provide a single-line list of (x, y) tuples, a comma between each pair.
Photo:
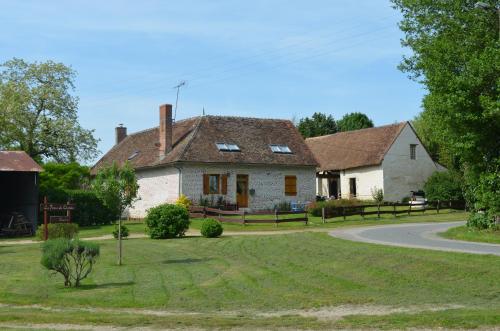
[(480, 221), (167, 221), (377, 195), (444, 186), (211, 228), (73, 259), (124, 232), (184, 201), (58, 230), (283, 206), (331, 206), (89, 209)]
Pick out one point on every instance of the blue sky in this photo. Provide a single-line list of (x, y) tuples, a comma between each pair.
[(274, 59)]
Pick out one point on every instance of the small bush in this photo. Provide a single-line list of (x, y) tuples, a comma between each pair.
[(283, 206), (211, 228), (480, 221), (330, 205), (442, 186), (124, 232), (377, 195), (58, 230), (73, 259), (167, 221), (184, 201)]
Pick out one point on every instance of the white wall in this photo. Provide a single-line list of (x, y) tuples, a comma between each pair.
[(156, 186), (367, 178), (267, 181), (401, 174)]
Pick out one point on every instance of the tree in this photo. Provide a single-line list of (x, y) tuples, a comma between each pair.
[(117, 188), (354, 121), (446, 185), (318, 125), (39, 115), (63, 176), (456, 56)]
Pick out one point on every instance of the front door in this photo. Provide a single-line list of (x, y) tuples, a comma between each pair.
[(242, 191)]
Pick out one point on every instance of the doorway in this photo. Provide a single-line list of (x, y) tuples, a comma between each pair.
[(242, 191), (352, 187)]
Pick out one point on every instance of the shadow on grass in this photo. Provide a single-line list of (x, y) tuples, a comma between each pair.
[(187, 261), (104, 285)]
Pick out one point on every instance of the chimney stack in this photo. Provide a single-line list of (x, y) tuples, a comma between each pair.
[(120, 133), (165, 129)]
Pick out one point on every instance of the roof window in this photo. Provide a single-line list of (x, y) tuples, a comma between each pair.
[(133, 155), (223, 147), (281, 149)]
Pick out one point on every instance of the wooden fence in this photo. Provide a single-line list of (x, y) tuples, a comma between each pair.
[(390, 208), (242, 217)]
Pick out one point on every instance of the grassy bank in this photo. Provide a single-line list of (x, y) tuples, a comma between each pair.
[(236, 281), (469, 234)]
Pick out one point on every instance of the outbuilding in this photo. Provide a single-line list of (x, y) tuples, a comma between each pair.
[(19, 182)]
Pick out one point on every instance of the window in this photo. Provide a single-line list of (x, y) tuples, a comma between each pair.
[(352, 187), (133, 155), (291, 185), (413, 151), (213, 184), (282, 149), (223, 147)]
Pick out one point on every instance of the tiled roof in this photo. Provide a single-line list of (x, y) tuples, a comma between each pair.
[(18, 161), (353, 149), (194, 140)]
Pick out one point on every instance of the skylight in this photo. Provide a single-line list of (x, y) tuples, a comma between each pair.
[(223, 147), (134, 154), (282, 149)]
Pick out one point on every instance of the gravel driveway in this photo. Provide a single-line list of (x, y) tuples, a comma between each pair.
[(421, 235)]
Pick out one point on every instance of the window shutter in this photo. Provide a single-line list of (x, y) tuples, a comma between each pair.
[(205, 184), (291, 185), (224, 184)]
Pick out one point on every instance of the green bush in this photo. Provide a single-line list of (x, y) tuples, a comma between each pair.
[(73, 259), (58, 230), (211, 228), (480, 221), (167, 221), (446, 185), (124, 232), (331, 206)]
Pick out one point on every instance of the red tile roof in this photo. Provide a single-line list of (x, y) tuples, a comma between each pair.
[(353, 149), (194, 140), (18, 161)]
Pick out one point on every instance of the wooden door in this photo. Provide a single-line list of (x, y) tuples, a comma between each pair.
[(242, 191)]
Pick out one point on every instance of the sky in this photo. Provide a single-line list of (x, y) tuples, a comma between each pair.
[(271, 59)]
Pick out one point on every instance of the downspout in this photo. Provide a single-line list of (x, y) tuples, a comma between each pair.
[(180, 180)]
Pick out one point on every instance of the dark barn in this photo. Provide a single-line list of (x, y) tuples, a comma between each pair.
[(19, 180)]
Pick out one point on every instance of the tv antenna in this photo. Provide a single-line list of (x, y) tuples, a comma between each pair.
[(178, 87)]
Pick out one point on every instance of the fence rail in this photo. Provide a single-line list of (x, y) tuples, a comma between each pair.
[(242, 217)]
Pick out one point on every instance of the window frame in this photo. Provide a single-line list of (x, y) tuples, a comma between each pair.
[(280, 149), (227, 147), (413, 151), (217, 176)]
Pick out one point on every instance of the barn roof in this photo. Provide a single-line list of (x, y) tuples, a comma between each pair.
[(18, 161), (353, 149), (194, 140)]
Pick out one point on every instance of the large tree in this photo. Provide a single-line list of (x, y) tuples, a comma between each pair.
[(456, 56), (38, 113), (354, 121), (318, 125)]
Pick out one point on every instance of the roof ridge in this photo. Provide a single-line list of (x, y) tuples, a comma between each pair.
[(195, 132), (358, 130), (249, 118)]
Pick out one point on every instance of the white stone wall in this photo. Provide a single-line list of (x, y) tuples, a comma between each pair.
[(401, 174), (267, 181), (156, 186), (367, 178)]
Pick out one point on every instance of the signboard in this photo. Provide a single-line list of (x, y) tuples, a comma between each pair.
[(59, 219), (57, 206)]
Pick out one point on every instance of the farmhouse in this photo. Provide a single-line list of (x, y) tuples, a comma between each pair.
[(19, 192), (253, 163), (354, 163)]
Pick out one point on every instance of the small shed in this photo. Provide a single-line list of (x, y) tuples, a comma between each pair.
[(19, 182)]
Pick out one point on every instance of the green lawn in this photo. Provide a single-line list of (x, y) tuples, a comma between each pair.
[(469, 234), (234, 281), (315, 222)]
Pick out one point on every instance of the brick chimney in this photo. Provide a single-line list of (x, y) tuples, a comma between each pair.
[(120, 133), (165, 129)]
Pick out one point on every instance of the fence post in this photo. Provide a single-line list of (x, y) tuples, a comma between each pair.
[(45, 219), (244, 221), (409, 208), (306, 217), (276, 217), (437, 207), (68, 212), (204, 212), (394, 208), (343, 212), (363, 212), (323, 215), (378, 210)]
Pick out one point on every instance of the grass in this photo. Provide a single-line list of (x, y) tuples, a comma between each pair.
[(230, 280), (137, 227), (470, 234)]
